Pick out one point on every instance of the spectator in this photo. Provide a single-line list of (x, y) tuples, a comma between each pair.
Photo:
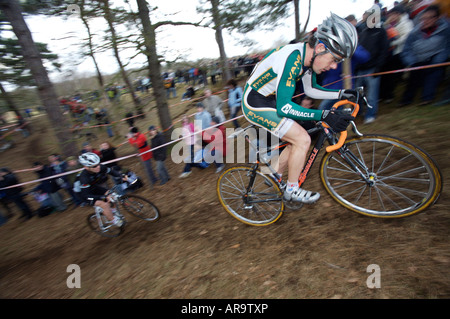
[(214, 104), (217, 144), (169, 84), (108, 153), (102, 119), (190, 92), (49, 186), (129, 119), (87, 148), (23, 126), (14, 194), (398, 26), (196, 161), (428, 43), (73, 165), (45, 203), (374, 40), (190, 139), (202, 118), (59, 166), (234, 99), (159, 154), (139, 141)]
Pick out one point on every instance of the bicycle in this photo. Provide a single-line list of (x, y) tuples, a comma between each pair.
[(374, 175), (135, 205)]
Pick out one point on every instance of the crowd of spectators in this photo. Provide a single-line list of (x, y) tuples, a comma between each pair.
[(409, 35)]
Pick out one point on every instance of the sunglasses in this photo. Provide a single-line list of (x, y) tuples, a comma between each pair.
[(336, 59)]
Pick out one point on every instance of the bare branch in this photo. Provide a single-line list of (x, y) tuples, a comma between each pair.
[(162, 23)]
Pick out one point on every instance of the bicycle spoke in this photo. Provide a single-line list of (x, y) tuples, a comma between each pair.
[(261, 205), (385, 159), (348, 168), (396, 163), (405, 172), (341, 170), (400, 179), (397, 189), (361, 157), (350, 181)]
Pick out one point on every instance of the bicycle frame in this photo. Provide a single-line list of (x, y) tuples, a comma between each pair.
[(325, 133)]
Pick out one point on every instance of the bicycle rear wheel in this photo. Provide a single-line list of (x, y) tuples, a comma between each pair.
[(261, 205), (400, 179), (140, 207), (103, 227)]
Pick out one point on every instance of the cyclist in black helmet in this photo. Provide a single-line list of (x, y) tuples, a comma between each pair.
[(93, 184), (268, 93)]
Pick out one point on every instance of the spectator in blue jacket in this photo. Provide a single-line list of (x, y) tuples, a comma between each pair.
[(234, 99), (427, 44)]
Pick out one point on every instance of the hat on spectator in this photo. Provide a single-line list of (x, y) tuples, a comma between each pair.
[(215, 119)]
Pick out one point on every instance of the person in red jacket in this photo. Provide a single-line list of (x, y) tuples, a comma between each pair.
[(217, 143), (139, 141)]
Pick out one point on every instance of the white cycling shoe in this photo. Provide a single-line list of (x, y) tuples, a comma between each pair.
[(117, 221), (302, 196)]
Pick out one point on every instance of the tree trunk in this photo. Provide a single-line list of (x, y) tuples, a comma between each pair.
[(46, 90), (109, 19), (227, 74), (297, 19), (154, 67), (105, 99)]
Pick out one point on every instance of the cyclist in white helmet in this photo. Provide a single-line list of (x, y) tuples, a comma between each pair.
[(93, 184), (267, 100)]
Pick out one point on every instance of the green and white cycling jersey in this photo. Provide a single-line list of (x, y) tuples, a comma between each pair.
[(268, 93)]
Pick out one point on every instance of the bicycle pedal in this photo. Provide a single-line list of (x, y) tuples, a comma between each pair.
[(294, 205)]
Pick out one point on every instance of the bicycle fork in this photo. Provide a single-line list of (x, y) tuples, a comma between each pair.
[(356, 164)]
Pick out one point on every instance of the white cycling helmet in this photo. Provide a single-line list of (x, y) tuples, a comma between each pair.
[(338, 35), (89, 159)]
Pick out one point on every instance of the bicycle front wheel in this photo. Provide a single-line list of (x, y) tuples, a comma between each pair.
[(395, 177), (103, 227), (140, 207), (250, 196)]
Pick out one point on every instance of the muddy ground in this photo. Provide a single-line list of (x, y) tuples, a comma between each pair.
[(197, 251)]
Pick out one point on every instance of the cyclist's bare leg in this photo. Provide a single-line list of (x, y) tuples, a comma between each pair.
[(295, 155), (282, 162), (106, 209)]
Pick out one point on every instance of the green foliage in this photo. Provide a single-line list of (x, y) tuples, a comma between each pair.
[(14, 68)]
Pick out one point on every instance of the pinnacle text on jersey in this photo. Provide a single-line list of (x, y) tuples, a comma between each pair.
[(287, 109)]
